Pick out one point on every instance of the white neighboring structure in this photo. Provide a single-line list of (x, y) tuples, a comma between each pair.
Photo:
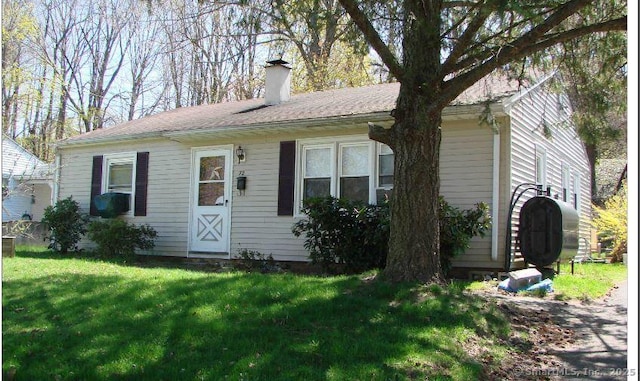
[(27, 183)]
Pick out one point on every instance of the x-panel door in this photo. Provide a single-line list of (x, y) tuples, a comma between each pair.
[(210, 201)]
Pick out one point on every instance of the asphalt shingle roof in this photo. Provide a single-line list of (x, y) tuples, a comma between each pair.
[(301, 107)]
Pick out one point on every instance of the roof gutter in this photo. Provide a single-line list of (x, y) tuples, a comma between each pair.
[(455, 112), (285, 126), (106, 139)]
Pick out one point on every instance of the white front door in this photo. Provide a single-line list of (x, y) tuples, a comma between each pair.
[(210, 201)]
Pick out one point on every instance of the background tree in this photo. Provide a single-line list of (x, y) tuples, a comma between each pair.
[(328, 52), (446, 48), (72, 66), (61, 51), (142, 56), (17, 27), (101, 32), (612, 224), (594, 69), (210, 54)]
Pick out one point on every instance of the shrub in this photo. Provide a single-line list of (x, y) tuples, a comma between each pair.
[(355, 234), (611, 222), (66, 225), (252, 260), (457, 227), (116, 237), (339, 231)]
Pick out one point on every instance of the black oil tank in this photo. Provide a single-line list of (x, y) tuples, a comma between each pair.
[(548, 231)]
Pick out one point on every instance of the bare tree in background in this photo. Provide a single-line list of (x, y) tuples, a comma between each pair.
[(145, 38)]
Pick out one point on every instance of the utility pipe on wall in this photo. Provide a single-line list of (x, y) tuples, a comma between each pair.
[(495, 199)]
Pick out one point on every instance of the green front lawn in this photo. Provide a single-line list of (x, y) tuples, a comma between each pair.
[(79, 319), (67, 318), (589, 281)]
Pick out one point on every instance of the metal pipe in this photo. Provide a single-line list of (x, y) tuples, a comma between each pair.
[(512, 203)]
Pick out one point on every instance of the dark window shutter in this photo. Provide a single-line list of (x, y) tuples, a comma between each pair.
[(142, 175), (286, 178), (96, 183)]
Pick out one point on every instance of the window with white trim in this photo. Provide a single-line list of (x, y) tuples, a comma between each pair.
[(576, 191), (385, 166), (5, 187), (350, 168), (354, 171), (564, 107), (384, 186), (317, 170), (565, 179), (119, 174), (541, 167)]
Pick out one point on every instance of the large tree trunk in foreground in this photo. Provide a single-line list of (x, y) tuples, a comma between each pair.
[(414, 244), (414, 240)]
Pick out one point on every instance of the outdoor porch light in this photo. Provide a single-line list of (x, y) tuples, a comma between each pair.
[(240, 154)]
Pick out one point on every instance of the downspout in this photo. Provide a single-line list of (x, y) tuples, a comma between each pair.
[(55, 194), (495, 198)]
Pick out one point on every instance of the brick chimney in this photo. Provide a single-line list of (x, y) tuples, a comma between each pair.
[(277, 82)]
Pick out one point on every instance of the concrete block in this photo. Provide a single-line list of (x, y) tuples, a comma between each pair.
[(524, 278)]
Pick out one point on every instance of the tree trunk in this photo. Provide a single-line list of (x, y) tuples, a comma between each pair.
[(592, 156), (414, 244)]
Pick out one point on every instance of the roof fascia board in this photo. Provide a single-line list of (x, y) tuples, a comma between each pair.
[(509, 102), (269, 128), (106, 139), (25, 151), (455, 112)]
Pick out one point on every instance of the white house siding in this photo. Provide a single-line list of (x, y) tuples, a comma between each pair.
[(18, 201), (42, 193), (167, 193), (466, 178), (563, 147), (21, 171), (255, 223)]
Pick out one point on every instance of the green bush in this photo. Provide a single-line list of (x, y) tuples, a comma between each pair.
[(66, 225), (457, 227), (116, 237), (356, 235), (344, 232)]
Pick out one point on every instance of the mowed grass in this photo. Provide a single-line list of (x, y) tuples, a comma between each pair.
[(589, 281), (82, 319)]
